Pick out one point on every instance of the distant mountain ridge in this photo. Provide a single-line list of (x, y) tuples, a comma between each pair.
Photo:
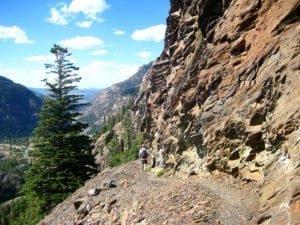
[(18, 109), (113, 98), (89, 94)]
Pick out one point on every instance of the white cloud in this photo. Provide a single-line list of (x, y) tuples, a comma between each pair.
[(102, 74), (85, 24), (32, 79), (119, 32), (82, 42), (59, 15), (96, 74), (90, 8), (40, 58), (144, 54), (153, 33), (99, 52), (15, 33), (62, 13)]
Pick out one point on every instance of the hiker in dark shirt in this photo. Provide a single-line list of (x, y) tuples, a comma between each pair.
[(143, 156)]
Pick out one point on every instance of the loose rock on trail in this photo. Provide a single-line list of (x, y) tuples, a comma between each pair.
[(125, 195)]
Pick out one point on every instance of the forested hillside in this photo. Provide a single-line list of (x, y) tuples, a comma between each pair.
[(18, 108)]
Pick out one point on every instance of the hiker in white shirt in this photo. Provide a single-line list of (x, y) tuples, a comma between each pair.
[(143, 156)]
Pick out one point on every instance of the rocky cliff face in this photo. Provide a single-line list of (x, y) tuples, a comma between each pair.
[(224, 96)]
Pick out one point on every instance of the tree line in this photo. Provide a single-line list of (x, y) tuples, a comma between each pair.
[(122, 142)]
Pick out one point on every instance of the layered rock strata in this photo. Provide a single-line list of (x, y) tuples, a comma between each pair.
[(224, 96)]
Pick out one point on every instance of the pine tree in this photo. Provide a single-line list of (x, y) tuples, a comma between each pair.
[(62, 153), (127, 130)]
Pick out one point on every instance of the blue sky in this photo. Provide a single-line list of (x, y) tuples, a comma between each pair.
[(109, 39)]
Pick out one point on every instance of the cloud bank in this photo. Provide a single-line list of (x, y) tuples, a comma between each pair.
[(101, 74), (17, 34), (153, 33), (82, 42), (62, 14)]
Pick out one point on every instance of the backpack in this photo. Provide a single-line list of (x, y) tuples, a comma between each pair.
[(144, 154)]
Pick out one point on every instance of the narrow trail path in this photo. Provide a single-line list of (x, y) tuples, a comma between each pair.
[(142, 198), (205, 200)]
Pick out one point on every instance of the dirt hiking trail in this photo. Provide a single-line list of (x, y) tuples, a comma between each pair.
[(125, 195)]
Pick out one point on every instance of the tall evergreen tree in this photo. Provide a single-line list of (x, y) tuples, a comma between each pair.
[(62, 155)]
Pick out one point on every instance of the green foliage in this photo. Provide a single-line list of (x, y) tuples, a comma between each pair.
[(62, 153), (109, 136), (124, 147), (14, 172), (5, 215), (19, 212), (160, 173), (15, 166)]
